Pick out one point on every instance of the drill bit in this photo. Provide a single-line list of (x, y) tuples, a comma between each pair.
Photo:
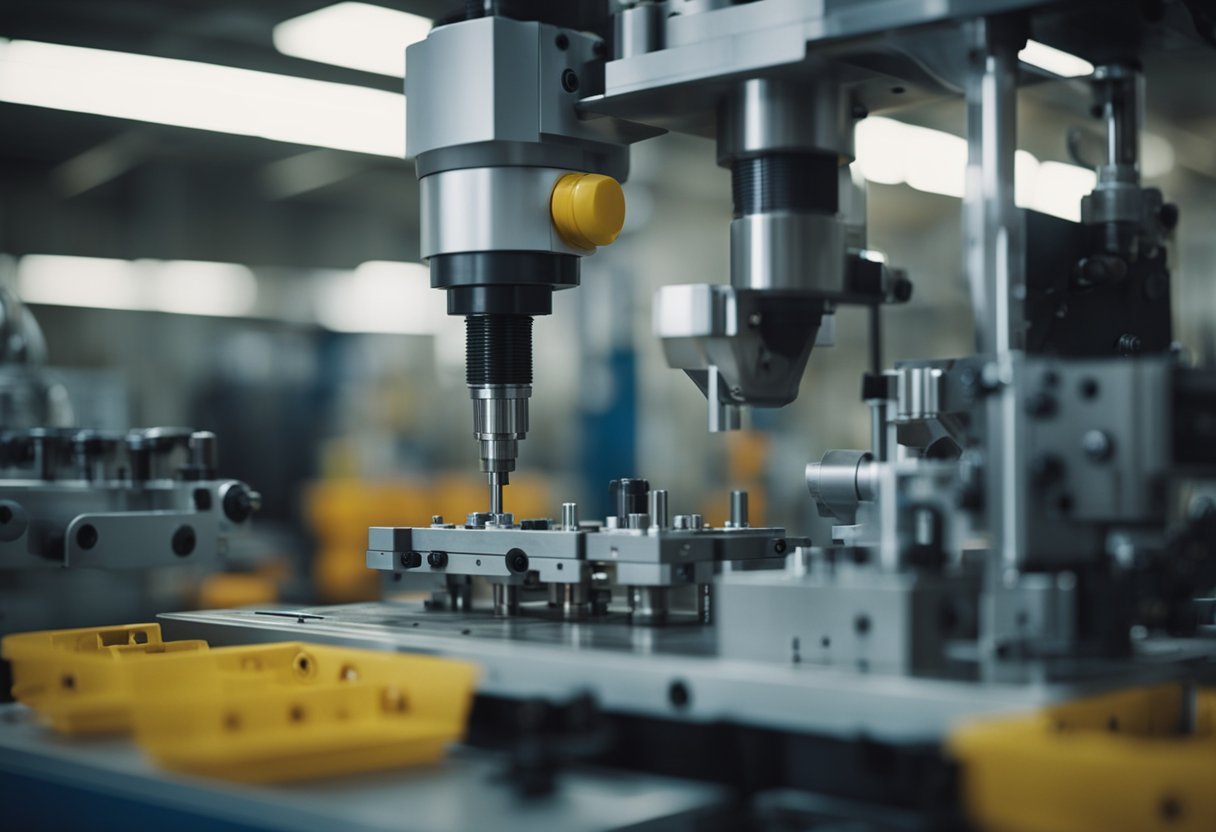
[(497, 481)]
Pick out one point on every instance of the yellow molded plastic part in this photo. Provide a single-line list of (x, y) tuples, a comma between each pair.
[(269, 713), (1112, 762), (588, 209), (77, 680)]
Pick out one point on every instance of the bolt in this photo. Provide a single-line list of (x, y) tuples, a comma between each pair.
[(517, 561), (1129, 344), (1097, 445), (437, 559), (570, 80), (410, 560)]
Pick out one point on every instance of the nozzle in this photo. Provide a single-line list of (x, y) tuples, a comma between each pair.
[(498, 359)]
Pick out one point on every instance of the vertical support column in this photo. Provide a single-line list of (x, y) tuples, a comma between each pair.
[(992, 225), (994, 243)]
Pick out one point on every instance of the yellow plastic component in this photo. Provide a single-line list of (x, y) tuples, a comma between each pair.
[(77, 680), (269, 713), (1113, 762), (588, 209)]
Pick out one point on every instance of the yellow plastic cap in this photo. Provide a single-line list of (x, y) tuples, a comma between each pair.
[(588, 209)]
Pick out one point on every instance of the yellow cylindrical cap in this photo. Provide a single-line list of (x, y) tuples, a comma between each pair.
[(588, 209)]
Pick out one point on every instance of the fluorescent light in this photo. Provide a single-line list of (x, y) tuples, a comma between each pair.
[(187, 287), (353, 35), (194, 287), (1056, 61), (381, 296), (1058, 189), (936, 161), (880, 152), (890, 152), (202, 96), (94, 282)]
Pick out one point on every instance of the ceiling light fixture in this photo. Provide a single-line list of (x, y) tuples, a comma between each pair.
[(1055, 61), (203, 96), (353, 35)]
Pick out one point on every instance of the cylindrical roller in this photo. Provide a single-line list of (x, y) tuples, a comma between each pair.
[(570, 516), (204, 454), (841, 481), (658, 508), (506, 600), (629, 496), (739, 510)]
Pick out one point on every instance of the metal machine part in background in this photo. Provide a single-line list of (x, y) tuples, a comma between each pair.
[(73, 498), (786, 141), (28, 397)]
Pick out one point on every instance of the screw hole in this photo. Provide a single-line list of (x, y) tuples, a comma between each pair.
[(68, 682), (679, 694), (393, 701), (570, 80), (1171, 808), (562, 42), (296, 714), (232, 721), (87, 536), (1089, 388), (303, 664), (349, 674)]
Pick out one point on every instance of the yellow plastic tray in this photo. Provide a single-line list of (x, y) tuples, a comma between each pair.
[(288, 711), (1112, 762), (77, 679)]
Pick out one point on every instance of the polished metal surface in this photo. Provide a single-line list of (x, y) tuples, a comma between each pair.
[(766, 115), (787, 251), (841, 481), (500, 422), (490, 209), (489, 93)]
